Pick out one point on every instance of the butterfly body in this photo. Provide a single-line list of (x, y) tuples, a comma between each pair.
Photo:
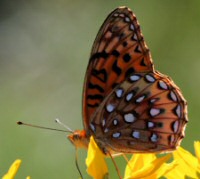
[(128, 106)]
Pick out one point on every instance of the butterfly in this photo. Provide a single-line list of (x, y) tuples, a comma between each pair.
[(128, 106)]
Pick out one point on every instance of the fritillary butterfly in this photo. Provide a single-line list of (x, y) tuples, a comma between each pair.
[(128, 106)]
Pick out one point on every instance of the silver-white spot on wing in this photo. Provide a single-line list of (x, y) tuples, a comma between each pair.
[(103, 122), (92, 127), (129, 117), (178, 111), (134, 78), (119, 92), (150, 124), (106, 130), (140, 99), (115, 122), (127, 19), (116, 134), (173, 96), (175, 126), (154, 137), (163, 85), (136, 134), (110, 107), (150, 78), (132, 27), (154, 112), (129, 96)]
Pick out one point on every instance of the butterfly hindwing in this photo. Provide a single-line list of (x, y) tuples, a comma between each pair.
[(145, 113)]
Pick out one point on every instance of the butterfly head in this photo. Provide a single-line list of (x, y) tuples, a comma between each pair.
[(79, 139)]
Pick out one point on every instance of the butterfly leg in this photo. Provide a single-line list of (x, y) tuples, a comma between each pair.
[(126, 158), (117, 169), (77, 166)]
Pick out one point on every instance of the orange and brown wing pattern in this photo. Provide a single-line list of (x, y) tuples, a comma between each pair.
[(145, 113), (118, 51)]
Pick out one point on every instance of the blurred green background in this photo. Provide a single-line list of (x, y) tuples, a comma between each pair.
[(44, 51)]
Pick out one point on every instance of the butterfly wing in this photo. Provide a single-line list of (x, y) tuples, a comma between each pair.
[(118, 51), (145, 113)]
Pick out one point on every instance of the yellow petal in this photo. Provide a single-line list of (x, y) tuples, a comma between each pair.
[(197, 149), (28, 177), (160, 167), (197, 152), (149, 166), (137, 161), (187, 165), (12, 170), (95, 161)]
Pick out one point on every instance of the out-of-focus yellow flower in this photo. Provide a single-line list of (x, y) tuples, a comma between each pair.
[(95, 161), (148, 166), (188, 165), (197, 152), (13, 170)]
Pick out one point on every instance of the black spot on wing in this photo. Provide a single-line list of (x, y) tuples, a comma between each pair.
[(102, 54), (116, 69), (142, 63), (124, 44), (100, 74), (93, 105), (129, 72), (96, 96), (115, 53), (94, 86), (137, 50), (126, 57)]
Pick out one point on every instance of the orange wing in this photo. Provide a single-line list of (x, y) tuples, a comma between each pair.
[(145, 113), (118, 51)]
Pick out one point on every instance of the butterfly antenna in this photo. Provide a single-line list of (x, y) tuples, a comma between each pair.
[(77, 166), (42, 127), (65, 126)]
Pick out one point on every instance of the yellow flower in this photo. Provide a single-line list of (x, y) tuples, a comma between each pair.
[(148, 166), (188, 165), (140, 166), (13, 170), (197, 152), (96, 165)]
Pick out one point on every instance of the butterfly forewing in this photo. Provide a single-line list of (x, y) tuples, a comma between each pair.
[(145, 113), (118, 51)]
